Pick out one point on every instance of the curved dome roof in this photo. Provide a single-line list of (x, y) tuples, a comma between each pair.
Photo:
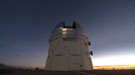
[(72, 31)]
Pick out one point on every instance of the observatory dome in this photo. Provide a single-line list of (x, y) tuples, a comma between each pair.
[(68, 49)]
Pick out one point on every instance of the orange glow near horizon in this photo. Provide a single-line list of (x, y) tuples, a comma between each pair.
[(104, 67), (115, 67)]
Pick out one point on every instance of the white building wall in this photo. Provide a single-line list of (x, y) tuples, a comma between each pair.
[(69, 54)]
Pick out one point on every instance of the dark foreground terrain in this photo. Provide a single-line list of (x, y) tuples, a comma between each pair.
[(42, 72)]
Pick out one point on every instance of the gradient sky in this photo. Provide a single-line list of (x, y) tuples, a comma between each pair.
[(26, 25)]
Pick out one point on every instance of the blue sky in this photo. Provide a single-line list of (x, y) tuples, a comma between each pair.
[(26, 25)]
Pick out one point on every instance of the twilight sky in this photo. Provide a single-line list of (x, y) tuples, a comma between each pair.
[(26, 25)]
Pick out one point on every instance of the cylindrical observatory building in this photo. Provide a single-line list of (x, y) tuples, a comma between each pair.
[(69, 49)]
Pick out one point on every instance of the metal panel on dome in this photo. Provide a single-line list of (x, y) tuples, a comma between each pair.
[(57, 29), (67, 31)]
